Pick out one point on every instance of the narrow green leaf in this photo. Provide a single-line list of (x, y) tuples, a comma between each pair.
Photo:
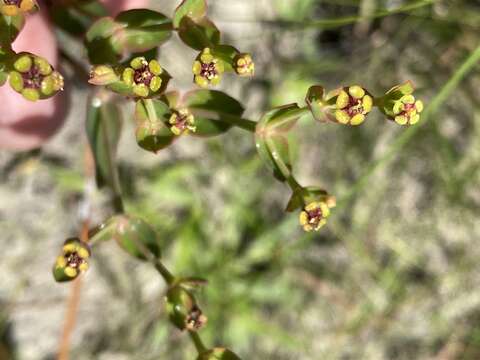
[(103, 127), (100, 48), (194, 9)]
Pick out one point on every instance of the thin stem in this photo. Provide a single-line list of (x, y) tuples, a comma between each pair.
[(166, 274), (242, 123), (197, 341)]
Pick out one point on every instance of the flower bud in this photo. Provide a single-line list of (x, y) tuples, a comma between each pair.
[(182, 309), (34, 77), (352, 104), (218, 354), (103, 75), (182, 121), (15, 7), (244, 65), (207, 69), (73, 261), (400, 105)]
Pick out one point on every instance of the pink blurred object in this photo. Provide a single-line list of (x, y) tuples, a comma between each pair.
[(26, 125)]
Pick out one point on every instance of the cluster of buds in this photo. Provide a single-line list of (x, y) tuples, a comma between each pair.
[(207, 69), (34, 78), (352, 105), (218, 354), (182, 121), (73, 261), (143, 76), (16, 7), (183, 309), (244, 65), (399, 104)]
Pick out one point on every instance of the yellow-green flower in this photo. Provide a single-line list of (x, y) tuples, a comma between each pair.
[(15, 7), (182, 121), (244, 65), (143, 76), (73, 261), (207, 69), (314, 215), (400, 105), (352, 105), (34, 78)]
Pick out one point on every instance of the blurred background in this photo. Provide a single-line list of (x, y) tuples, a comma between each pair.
[(394, 275)]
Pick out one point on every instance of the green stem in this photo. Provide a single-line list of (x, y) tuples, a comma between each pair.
[(197, 341), (281, 166), (166, 274), (242, 123)]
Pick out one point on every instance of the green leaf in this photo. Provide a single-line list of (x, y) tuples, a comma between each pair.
[(272, 144), (10, 27), (194, 9), (144, 29), (104, 127), (212, 110), (100, 48), (316, 104), (199, 34), (227, 54), (152, 133), (76, 18), (135, 236)]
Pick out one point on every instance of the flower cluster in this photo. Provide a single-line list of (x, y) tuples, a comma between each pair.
[(207, 69), (34, 78), (244, 65), (16, 7), (314, 215), (400, 105), (73, 261), (352, 105), (143, 76), (182, 121)]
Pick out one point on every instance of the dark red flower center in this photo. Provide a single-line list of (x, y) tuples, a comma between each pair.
[(32, 79), (208, 71), (74, 260), (143, 76), (195, 319), (354, 106), (314, 216)]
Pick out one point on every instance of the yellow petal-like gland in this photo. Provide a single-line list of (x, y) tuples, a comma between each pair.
[(342, 116), (367, 103), (303, 218), (138, 63), (141, 90), (31, 94), (197, 67), (27, 5), (356, 91), (61, 262), (401, 120), (69, 248), (47, 86), (419, 106), (43, 66), (127, 76), (83, 267), (201, 81), (155, 83), (16, 81), (342, 100), (154, 67), (357, 119), (23, 64), (398, 107), (408, 99), (82, 252), (414, 119), (70, 272)]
